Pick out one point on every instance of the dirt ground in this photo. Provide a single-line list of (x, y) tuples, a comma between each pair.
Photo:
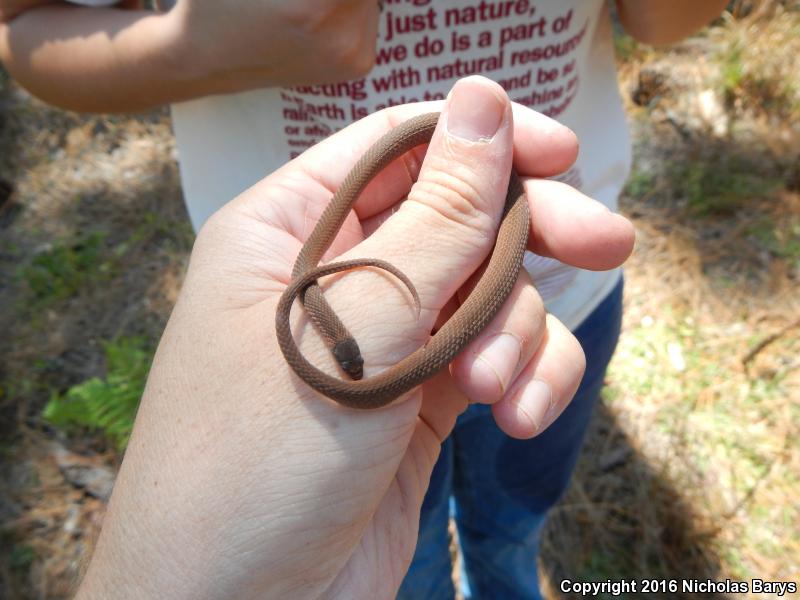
[(692, 466)]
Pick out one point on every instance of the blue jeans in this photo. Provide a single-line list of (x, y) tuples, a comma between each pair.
[(502, 488)]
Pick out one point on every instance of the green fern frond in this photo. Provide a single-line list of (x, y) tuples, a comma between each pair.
[(108, 404)]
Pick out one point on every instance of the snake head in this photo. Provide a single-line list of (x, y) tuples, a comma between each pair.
[(348, 355)]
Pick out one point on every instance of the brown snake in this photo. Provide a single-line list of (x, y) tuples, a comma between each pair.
[(466, 323)]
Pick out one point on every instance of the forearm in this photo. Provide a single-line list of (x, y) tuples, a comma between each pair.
[(99, 60), (660, 22), (114, 60)]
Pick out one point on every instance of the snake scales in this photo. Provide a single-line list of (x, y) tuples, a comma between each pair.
[(466, 323)]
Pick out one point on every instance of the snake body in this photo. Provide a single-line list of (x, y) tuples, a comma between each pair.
[(466, 323)]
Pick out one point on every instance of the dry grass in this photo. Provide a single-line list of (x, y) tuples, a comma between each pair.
[(97, 201), (692, 468)]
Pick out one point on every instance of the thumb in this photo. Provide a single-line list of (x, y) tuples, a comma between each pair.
[(440, 236), (447, 226)]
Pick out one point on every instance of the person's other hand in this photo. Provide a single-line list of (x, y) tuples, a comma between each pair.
[(112, 60), (276, 42), (239, 480)]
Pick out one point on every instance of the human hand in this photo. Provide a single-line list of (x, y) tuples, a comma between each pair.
[(239, 480), (244, 45)]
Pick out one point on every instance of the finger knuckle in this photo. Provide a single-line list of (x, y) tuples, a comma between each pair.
[(353, 57), (336, 27), (454, 196), (534, 306), (311, 18)]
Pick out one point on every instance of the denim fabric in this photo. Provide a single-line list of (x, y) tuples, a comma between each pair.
[(500, 489)]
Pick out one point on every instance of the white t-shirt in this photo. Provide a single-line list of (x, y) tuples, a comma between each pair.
[(555, 56)]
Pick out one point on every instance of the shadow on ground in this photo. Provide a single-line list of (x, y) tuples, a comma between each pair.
[(621, 518)]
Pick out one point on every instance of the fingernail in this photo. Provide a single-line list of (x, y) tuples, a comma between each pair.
[(501, 354), (535, 402), (474, 111)]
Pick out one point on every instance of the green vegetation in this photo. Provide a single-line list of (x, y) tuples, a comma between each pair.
[(782, 239), (732, 71), (108, 404), (626, 47), (61, 270), (721, 185), (68, 267), (639, 183), (602, 565), (22, 556), (752, 75), (175, 236)]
